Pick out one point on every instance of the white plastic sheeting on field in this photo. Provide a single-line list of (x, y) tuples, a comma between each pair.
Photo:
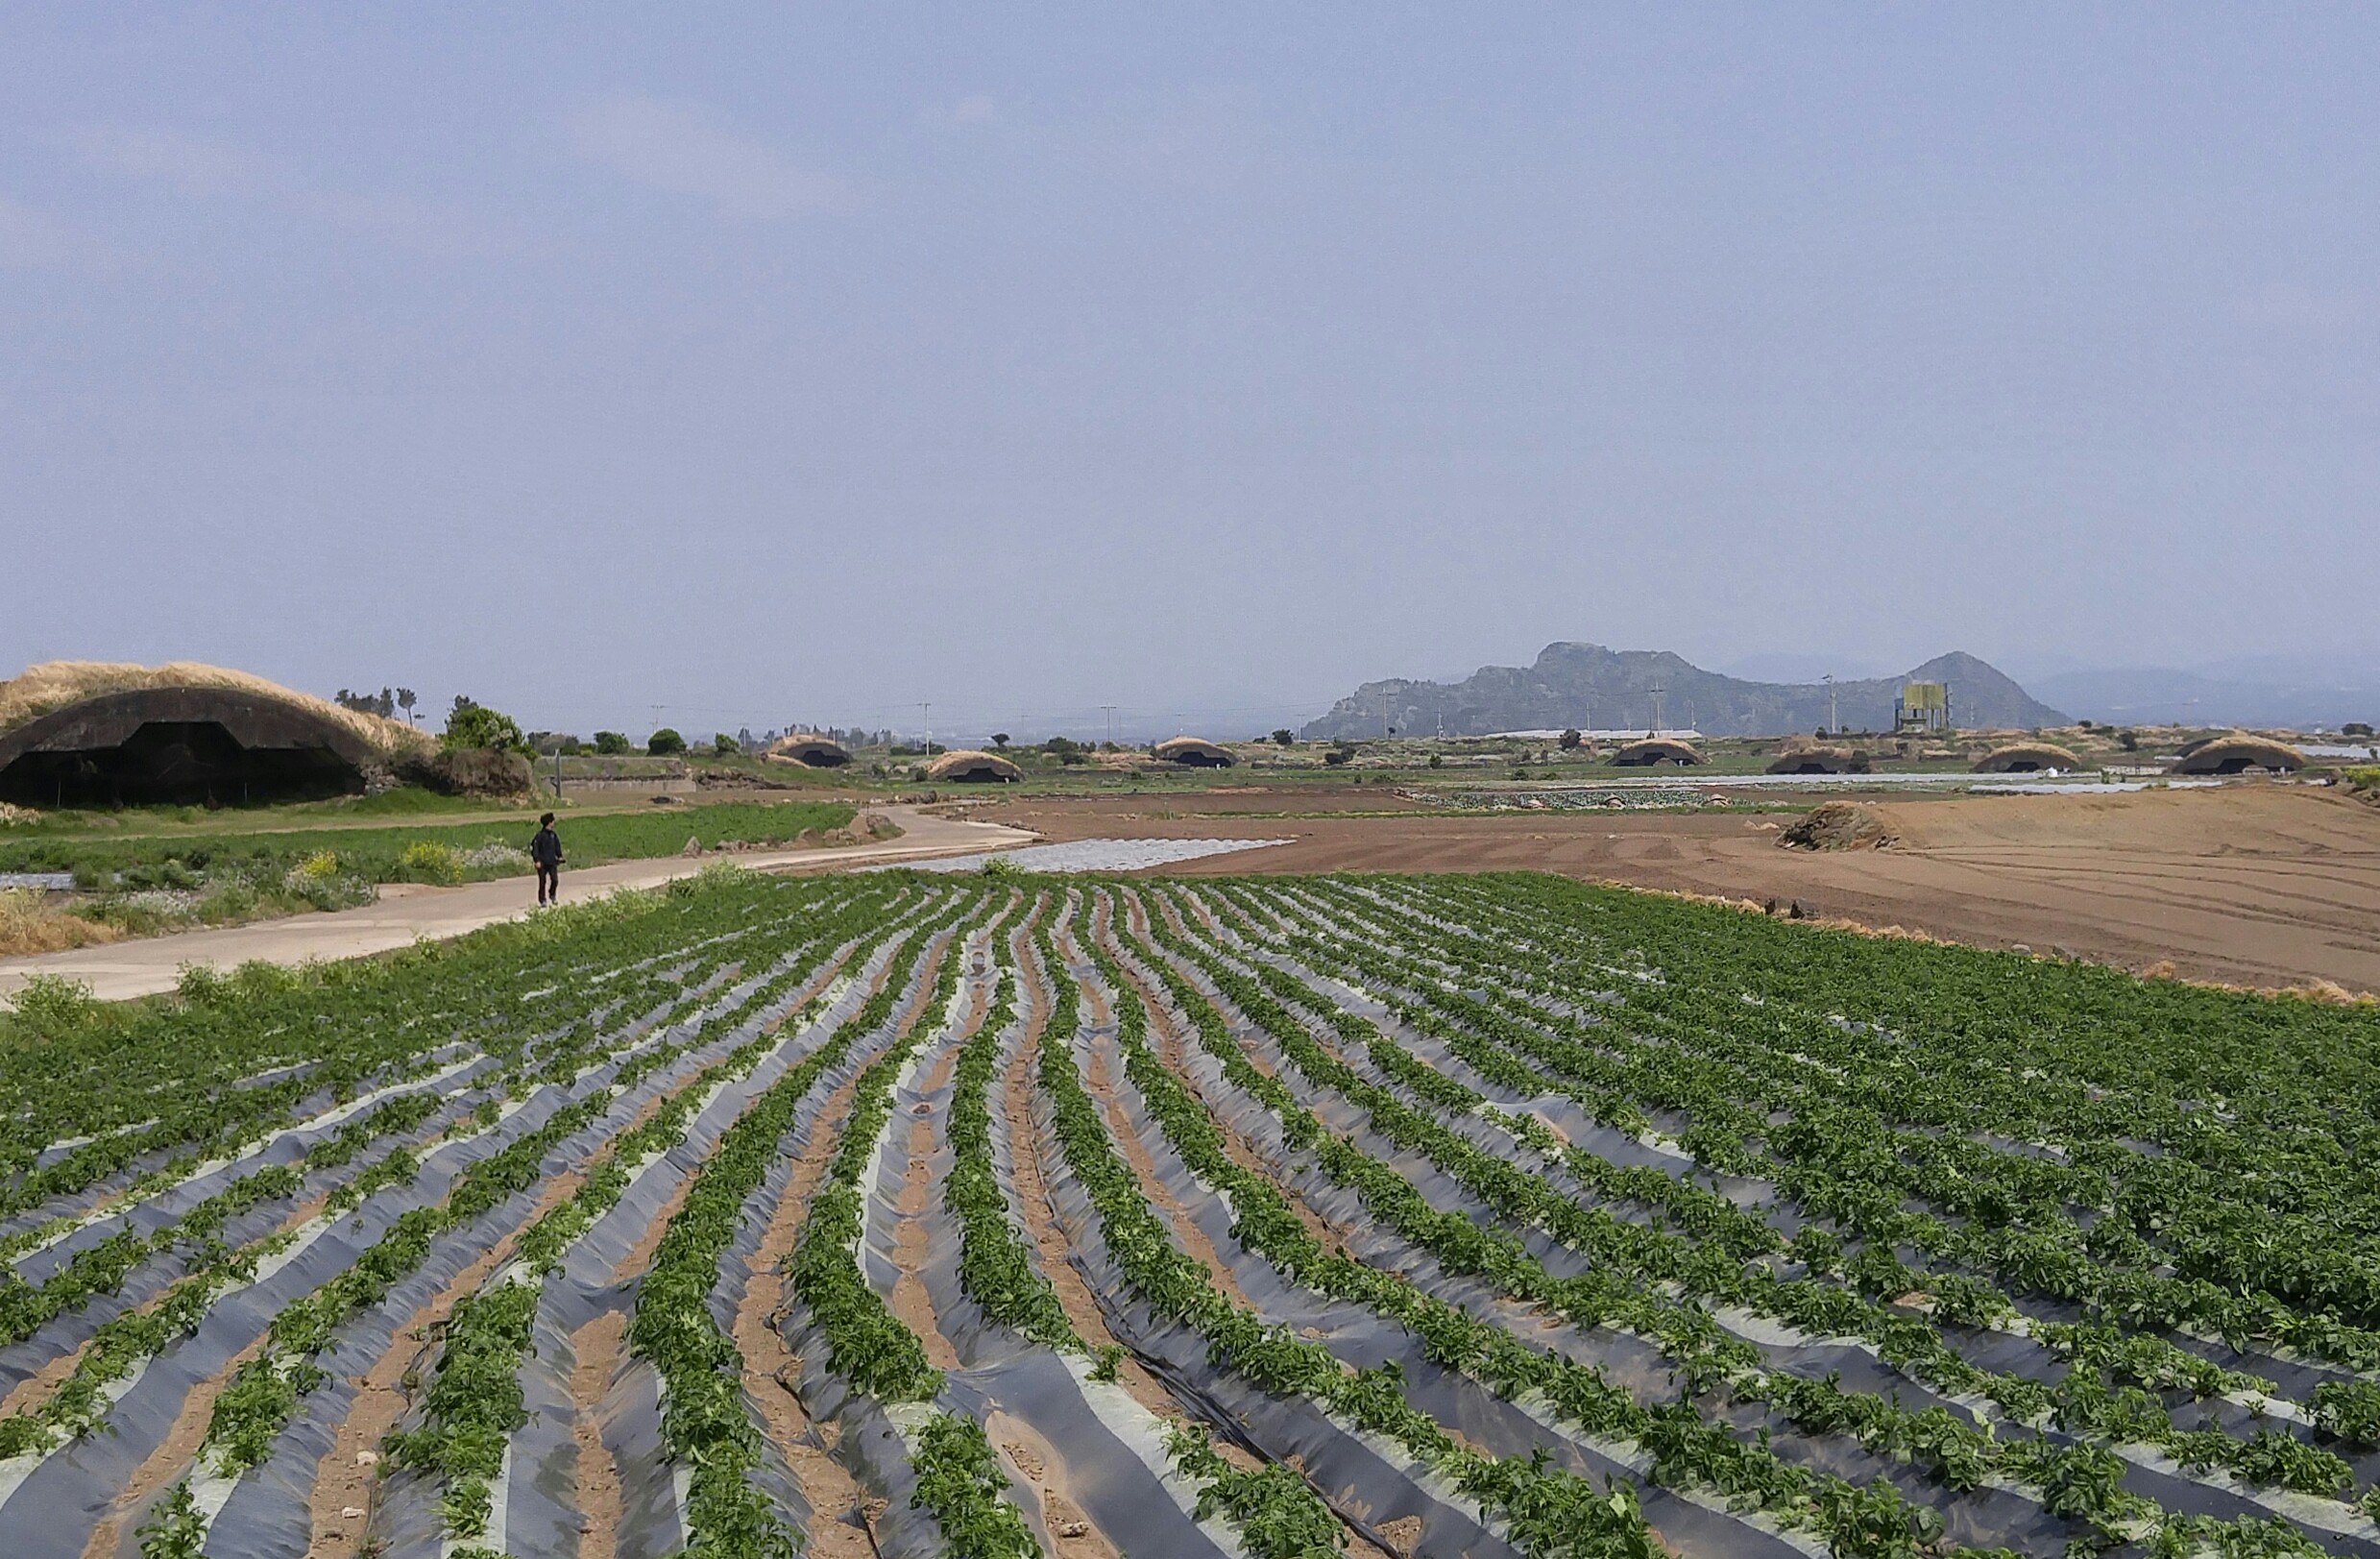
[(1093, 855)]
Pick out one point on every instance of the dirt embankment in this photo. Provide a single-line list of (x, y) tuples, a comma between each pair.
[(1837, 825), (2262, 884)]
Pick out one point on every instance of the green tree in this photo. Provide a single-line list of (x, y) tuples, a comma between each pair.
[(1571, 740), (724, 745), (470, 723), (665, 741), (613, 743), (1284, 736)]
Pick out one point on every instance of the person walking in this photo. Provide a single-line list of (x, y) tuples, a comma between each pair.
[(545, 849)]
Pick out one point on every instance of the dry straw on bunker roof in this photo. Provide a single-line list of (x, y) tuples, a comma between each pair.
[(968, 766), (810, 750), (90, 733), (2240, 753), (1805, 757), (53, 685), (2029, 758), (1193, 752), (1656, 750)]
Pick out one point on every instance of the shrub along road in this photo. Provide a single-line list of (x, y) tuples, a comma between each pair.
[(408, 913)]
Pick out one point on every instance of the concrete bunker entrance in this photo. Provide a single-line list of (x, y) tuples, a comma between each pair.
[(177, 761), (179, 746)]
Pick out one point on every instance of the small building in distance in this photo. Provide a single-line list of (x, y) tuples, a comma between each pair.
[(2029, 758), (1653, 751), (810, 751), (2240, 753), (1191, 752), (967, 767)]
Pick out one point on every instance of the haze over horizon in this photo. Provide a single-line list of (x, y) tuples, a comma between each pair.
[(760, 366)]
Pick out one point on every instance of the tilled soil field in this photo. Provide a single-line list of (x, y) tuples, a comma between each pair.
[(1011, 1215), (2259, 884)]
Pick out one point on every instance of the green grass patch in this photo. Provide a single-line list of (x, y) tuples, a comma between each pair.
[(431, 852), (403, 801)]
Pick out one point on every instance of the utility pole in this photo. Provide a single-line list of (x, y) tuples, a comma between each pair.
[(1834, 726), (926, 711), (1111, 724), (1384, 712), (1657, 691)]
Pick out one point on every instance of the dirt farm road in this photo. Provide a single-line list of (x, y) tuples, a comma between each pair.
[(407, 914)]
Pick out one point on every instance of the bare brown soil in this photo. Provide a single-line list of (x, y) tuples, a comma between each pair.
[(1186, 1232), (595, 1349), (768, 1365), (1031, 1199), (1031, 1195), (1166, 1040), (346, 1476), (161, 1466), (2255, 884), (911, 1303), (1072, 1536), (641, 1254), (40, 1386)]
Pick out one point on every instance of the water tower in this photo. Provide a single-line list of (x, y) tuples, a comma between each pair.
[(1923, 709)]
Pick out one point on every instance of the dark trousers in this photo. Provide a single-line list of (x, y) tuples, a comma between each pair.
[(549, 885)]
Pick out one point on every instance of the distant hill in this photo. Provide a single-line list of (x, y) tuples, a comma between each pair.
[(1588, 686), (2297, 698)]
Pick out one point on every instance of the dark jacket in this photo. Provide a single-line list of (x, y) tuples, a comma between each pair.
[(546, 848)]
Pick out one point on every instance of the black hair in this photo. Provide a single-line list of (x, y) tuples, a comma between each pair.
[(546, 820)]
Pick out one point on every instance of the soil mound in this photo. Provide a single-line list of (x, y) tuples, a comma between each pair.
[(1836, 825)]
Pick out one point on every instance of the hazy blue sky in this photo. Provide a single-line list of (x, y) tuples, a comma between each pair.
[(799, 362)]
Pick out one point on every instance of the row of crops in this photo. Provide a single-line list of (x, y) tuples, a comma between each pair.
[(1018, 1215)]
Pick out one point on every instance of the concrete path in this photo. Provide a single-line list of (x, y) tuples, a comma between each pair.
[(408, 913)]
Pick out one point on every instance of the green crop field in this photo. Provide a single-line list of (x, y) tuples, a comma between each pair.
[(1460, 1215)]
